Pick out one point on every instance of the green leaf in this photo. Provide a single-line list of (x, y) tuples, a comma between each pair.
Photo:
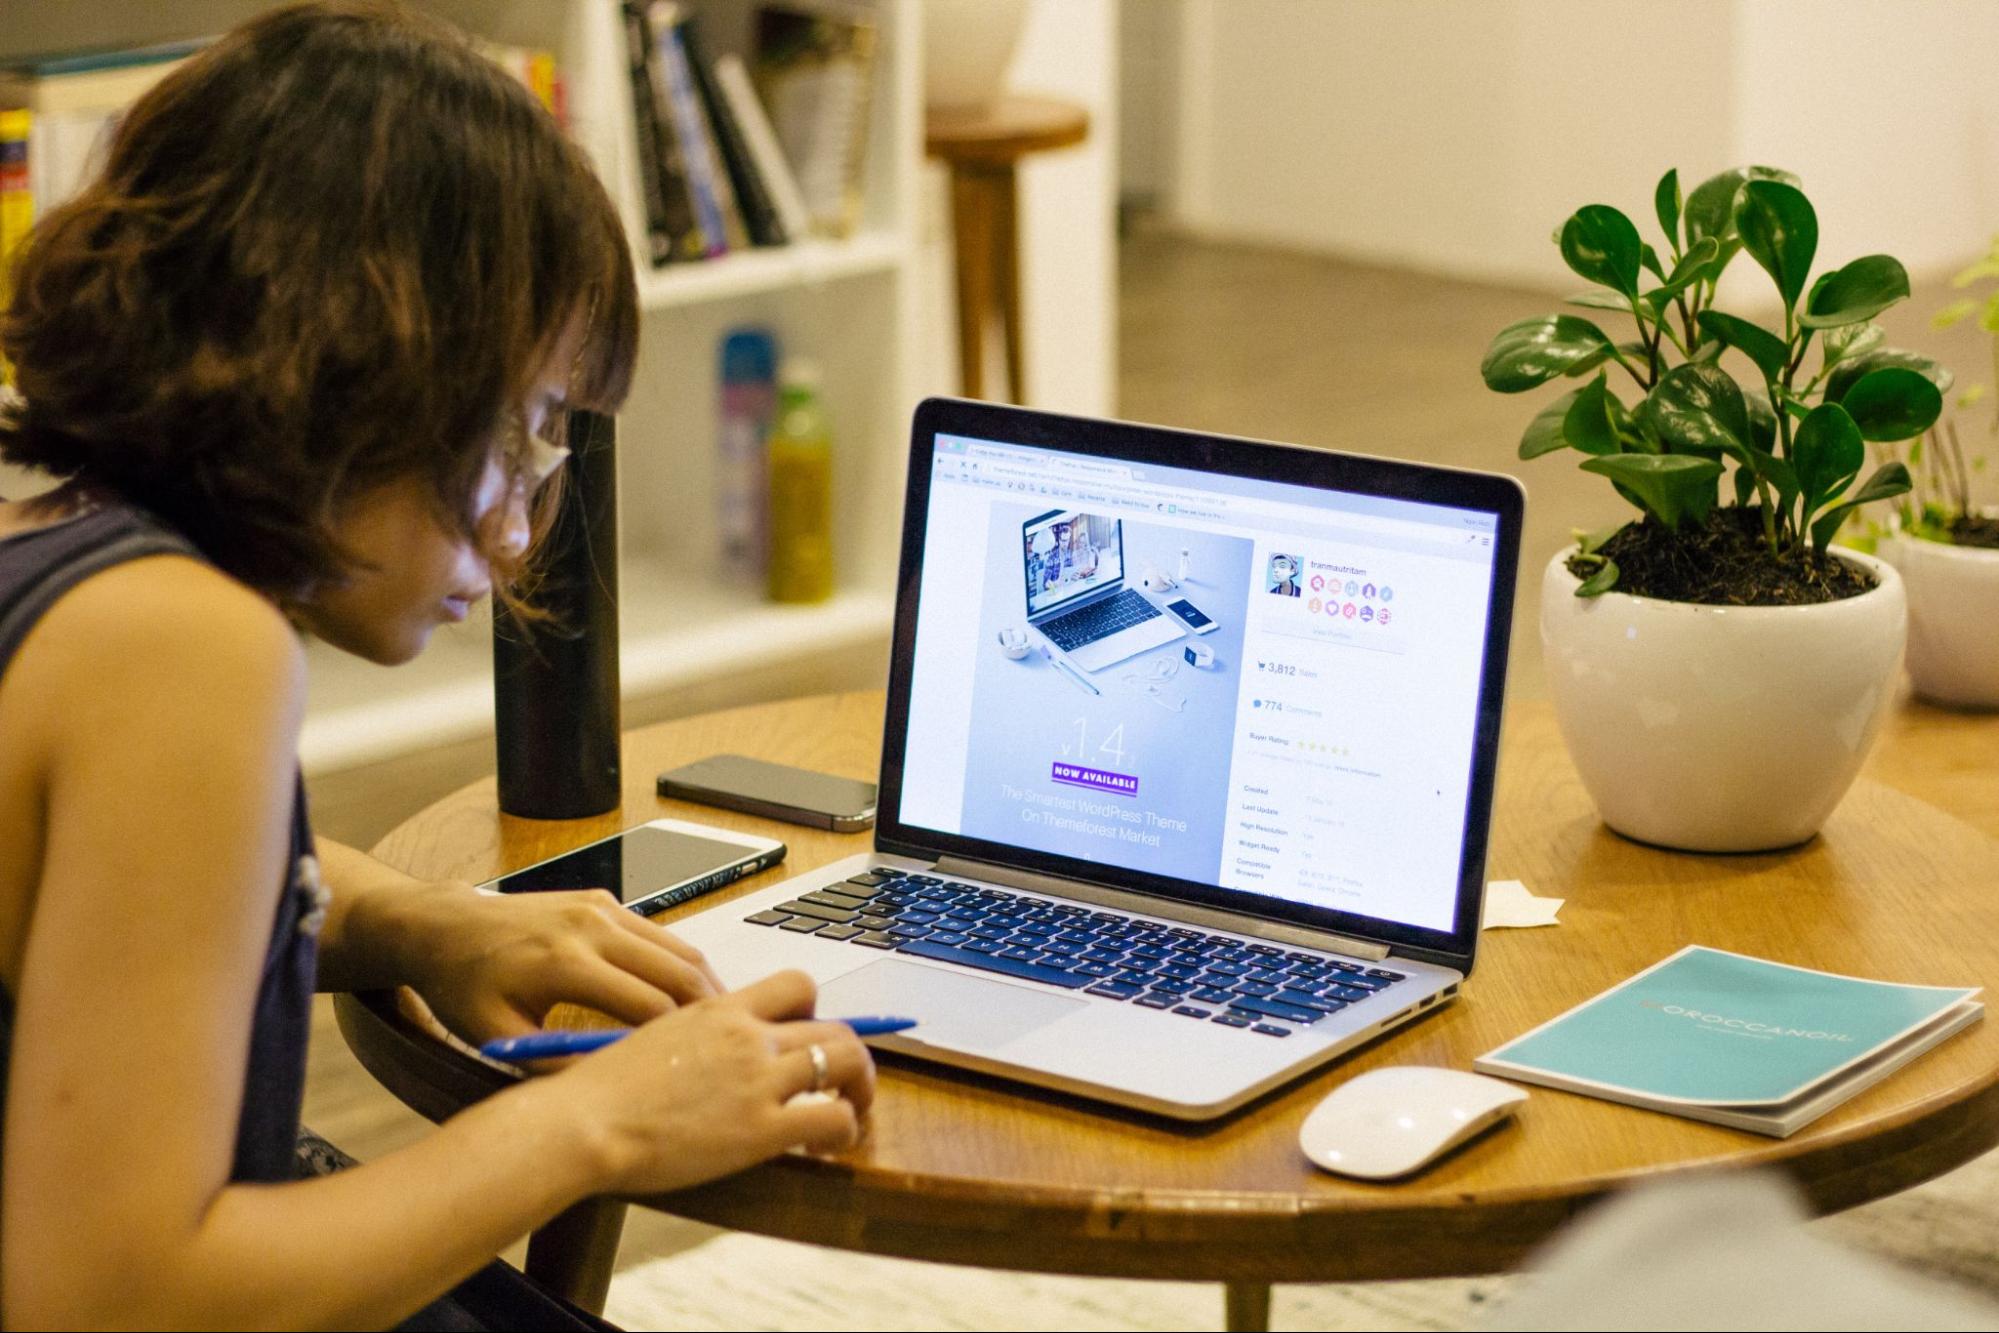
[(1828, 453), (1889, 480), (1666, 202), (1852, 369), (1693, 263), (1593, 418), (1989, 321), (1855, 293), (1850, 340), (1780, 231), (1600, 243), (1762, 421), (1544, 433), (1765, 348), (1708, 352), (1745, 485), (1710, 209), (1698, 409), (1984, 268), (1952, 313), (1893, 403), (1600, 301), (1711, 271), (1589, 543), (1649, 258), (1780, 475), (1673, 488), (1601, 582), (1533, 351)]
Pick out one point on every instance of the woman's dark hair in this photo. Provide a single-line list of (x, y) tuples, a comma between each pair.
[(331, 251)]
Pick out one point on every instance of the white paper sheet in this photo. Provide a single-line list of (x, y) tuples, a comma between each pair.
[(1508, 905)]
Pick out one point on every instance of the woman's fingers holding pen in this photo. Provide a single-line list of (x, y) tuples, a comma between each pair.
[(713, 1087)]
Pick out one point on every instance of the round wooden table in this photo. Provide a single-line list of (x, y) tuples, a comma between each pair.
[(961, 1169)]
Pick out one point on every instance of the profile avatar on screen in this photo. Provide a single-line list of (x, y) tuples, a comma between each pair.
[(1283, 575), (1073, 567)]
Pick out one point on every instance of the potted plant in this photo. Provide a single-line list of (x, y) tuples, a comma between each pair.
[(1718, 672), (1946, 548)]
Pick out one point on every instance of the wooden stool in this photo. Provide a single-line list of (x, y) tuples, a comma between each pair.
[(982, 146)]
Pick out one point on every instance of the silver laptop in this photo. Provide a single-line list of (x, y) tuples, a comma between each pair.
[(1073, 562), (1207, 868)]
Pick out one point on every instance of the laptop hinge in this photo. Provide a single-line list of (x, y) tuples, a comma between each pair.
[(1278, 932)]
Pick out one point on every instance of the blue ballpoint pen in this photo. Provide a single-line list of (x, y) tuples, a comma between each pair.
[(548, 1045)]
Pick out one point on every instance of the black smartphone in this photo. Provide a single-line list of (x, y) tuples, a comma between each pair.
[(651, 867), (775, 791)]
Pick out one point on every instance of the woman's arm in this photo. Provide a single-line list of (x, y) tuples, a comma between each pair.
[(168, 701)]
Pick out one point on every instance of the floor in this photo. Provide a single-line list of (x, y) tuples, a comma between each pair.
[(1247, 341)]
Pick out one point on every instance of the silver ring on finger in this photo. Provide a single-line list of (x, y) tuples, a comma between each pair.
[(820, 1068)]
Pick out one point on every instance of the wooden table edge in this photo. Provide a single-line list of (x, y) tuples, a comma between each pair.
[(1167, 1233)]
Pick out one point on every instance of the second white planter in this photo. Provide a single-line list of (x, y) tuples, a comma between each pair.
[(1720, 729), (1953, 619)]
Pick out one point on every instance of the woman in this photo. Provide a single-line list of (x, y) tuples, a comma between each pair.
[(296, 356)]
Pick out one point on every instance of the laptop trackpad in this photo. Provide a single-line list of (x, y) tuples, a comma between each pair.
[(964, 1013)]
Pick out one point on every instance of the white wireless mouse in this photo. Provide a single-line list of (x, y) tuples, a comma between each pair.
[(1390, 1122)]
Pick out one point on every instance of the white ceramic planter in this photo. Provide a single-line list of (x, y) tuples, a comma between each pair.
[(1953, 619), (1719, 729), (968, 46)]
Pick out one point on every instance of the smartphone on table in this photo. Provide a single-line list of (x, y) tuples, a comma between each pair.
[(775, 791), (651, 867)]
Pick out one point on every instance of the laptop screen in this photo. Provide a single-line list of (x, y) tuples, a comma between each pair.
[(1067, 554), (1307, 736)]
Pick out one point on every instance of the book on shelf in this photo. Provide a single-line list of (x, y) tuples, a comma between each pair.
[(17, 203), (732, 78), (537, 71), (673, 227), (815, 71), (707, 179), (745, 173), (1735, 1040), (71, 103)]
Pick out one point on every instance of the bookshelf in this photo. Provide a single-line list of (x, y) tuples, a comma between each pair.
[(849, 303)]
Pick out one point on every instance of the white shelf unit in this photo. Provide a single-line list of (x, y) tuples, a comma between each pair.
[(846, 303), (850, 304)]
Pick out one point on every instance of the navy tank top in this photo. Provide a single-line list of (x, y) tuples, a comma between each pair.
[(37, 568)]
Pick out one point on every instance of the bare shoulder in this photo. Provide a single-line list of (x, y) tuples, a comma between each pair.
[(167, 630)]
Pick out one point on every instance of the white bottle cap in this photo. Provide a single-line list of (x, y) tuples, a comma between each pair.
[(799, 372)]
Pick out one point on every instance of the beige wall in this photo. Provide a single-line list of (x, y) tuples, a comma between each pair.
[(1454, 136)]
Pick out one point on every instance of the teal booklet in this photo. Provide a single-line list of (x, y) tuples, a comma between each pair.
[(1723, 1037)]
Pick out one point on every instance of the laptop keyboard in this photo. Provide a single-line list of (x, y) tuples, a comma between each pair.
[(1174, 969), (1098, 620)]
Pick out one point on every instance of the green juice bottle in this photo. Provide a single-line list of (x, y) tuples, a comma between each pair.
[(800, 462)]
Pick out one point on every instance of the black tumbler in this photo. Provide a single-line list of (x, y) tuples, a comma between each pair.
[(555, 681)]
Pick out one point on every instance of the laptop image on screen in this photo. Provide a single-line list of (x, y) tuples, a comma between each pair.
[(1214, 864), (1076, 593)]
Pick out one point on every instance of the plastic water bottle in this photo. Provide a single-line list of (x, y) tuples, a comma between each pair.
[(747, 412), (801, 489)]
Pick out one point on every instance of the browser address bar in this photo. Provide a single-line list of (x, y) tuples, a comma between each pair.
[(1191, 502), (1068, 467)]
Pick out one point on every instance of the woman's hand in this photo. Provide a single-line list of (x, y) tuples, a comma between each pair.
[(707, 1090), (493, 965)]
